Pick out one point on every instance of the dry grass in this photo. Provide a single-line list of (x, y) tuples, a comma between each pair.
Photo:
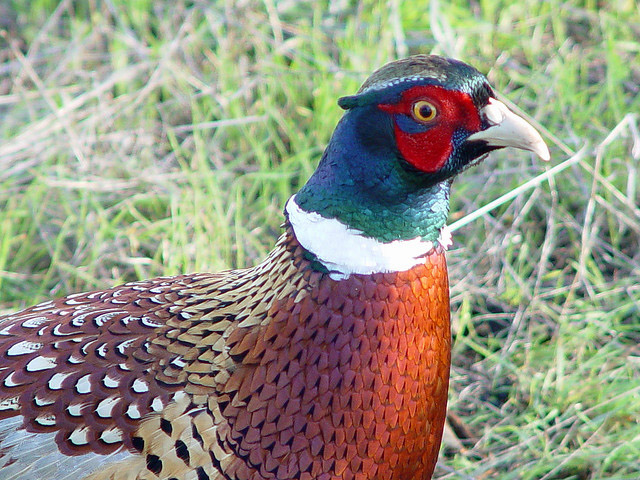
[(148, 138)]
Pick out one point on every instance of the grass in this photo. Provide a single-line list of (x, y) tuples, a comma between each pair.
[(146, 138)]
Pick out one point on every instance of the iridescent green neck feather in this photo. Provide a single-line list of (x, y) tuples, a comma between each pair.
[(362, 182)]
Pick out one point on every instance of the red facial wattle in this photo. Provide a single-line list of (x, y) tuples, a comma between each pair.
[(430, 144)]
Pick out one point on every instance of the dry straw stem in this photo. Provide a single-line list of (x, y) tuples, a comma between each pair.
[(534, 182), (628, 123), (143, 142)]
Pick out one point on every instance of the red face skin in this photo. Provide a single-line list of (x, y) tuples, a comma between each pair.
[(428, 151)]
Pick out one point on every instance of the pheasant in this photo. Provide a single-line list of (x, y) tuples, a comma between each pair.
[(329, 360)]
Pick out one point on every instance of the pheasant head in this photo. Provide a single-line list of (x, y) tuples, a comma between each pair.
[(411, 128)]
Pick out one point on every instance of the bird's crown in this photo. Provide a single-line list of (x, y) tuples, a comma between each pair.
[(394, 77)]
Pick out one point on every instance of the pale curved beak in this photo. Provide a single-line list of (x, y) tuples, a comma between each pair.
[(509, 130)]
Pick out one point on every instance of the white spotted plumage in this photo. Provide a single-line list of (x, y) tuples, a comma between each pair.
[(44, 461), (140, 386), (106, 406), (23, 348), (83, 384), (40, 363), (35, 322)]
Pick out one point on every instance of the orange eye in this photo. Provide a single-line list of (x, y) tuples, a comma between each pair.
[(424, 111)]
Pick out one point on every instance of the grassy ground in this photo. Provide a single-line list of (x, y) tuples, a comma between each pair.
[(156, 137)]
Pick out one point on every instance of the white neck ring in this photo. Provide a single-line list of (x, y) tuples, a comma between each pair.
[(345, 251)]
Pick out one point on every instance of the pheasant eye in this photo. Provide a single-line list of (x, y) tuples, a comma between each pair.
[(424, 111)]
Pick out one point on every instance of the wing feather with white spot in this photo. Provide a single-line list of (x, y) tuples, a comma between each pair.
[(90, 366), (132, 381)]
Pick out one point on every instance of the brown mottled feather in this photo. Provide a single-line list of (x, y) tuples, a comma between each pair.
[(276, 371)]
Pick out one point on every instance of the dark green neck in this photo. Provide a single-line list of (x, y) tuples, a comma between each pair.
[(361, 182)]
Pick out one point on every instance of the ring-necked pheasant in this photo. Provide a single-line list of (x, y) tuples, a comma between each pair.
[(329, 360)]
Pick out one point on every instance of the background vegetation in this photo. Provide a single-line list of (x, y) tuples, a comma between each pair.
[(149, 138)]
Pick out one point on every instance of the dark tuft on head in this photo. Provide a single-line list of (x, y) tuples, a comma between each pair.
[(386, 83)]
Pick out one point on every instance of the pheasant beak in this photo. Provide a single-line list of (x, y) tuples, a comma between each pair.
[(506, 129)]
